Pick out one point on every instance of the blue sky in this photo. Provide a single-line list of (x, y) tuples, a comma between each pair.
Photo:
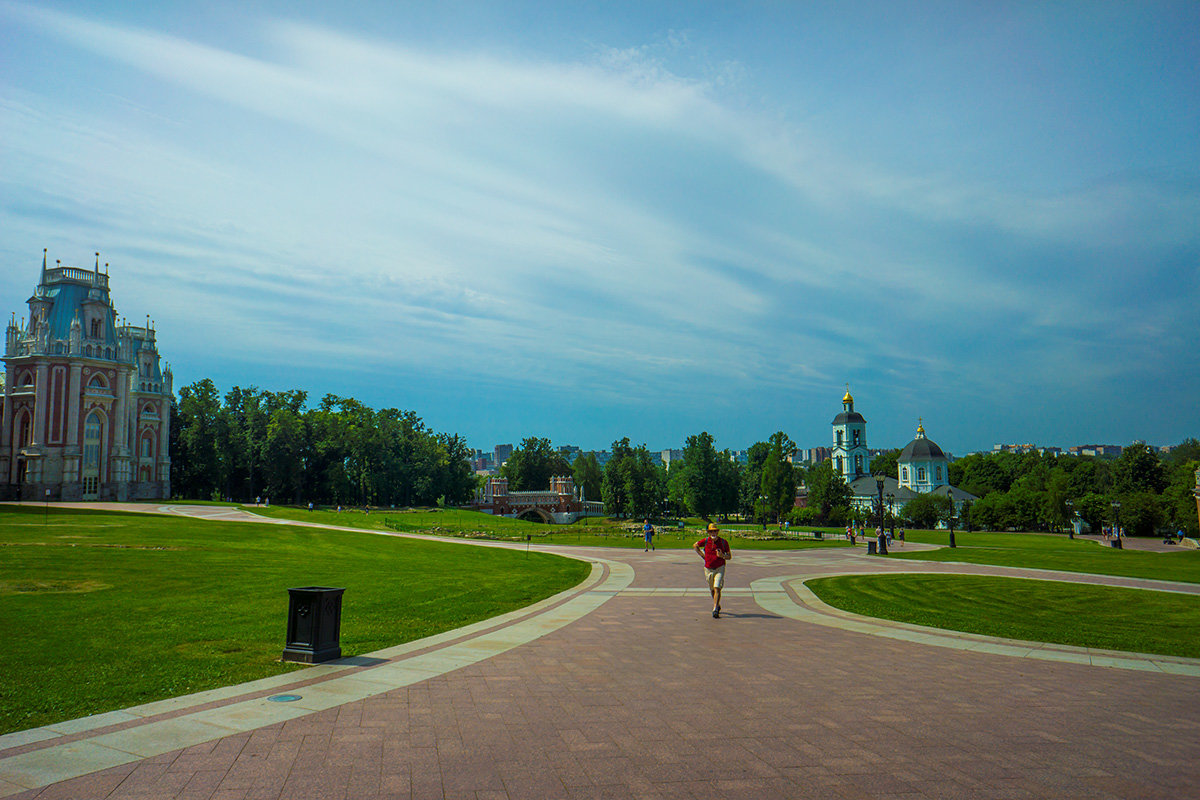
[(590, 221)]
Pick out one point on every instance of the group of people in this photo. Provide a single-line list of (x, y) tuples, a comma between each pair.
[(858, 530)]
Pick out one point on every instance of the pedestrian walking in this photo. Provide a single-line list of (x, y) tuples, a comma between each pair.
[(715, 552), (648, 532)]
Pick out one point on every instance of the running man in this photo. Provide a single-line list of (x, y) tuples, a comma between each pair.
[(648, 532), (715, 552)]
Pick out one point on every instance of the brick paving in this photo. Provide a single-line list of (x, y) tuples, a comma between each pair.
[(648, 696)]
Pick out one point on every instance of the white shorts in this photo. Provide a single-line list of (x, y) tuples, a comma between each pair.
[(715, 577)]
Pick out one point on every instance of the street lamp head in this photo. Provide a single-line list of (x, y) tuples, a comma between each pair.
[(879, 482), (1116, 504)]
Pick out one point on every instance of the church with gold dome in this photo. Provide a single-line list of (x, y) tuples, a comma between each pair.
[(922, 467)]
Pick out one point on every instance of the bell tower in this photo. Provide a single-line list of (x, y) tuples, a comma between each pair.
[(851, 458)]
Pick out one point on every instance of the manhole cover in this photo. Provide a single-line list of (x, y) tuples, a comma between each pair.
[(283, 698)]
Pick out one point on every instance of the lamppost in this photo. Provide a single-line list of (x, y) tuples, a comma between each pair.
[(1070, 504), (950, 517), (882, 538)]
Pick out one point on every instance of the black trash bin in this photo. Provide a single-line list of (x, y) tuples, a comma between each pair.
[(1116, 543), (870, 547), (314, 628)]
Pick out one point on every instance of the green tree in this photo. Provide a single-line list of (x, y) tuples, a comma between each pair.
[(750, 488), (1138, 469), (887, 464), (644, 483), (533, 464), (1142, 513), (778, 482), (1179, 500), (615, 486), (284, 454), (702, 475), (828, 494), (927, 510), (196, 468), (589, 476)]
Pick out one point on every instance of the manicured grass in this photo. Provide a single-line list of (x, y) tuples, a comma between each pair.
[(1048, 551), (1106, 617), (104, 610), (588, 532)]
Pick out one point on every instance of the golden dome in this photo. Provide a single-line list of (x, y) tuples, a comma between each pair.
[(847, 398)]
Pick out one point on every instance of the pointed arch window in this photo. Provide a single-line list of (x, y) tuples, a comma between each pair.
[(921, 474), (904, 473)]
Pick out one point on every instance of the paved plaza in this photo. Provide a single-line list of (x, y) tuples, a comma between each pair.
[(626, 687)]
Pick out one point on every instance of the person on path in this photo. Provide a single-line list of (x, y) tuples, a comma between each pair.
[(715, 552), (648, 532)]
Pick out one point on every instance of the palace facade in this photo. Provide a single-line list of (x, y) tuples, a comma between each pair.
[(87, 408)]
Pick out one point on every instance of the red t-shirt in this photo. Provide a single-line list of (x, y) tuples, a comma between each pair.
[(713, 547)]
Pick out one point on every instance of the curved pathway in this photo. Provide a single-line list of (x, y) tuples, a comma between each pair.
[(626, 687)]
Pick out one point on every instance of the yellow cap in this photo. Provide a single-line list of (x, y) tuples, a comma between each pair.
[(712, 527)]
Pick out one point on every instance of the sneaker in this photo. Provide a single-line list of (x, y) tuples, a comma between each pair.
[(716, 614)]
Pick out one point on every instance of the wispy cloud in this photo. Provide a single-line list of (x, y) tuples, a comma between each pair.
[(599, 221)]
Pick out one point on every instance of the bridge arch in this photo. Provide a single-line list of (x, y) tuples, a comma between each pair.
[(536, 514)]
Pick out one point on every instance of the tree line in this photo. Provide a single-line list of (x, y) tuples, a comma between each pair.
[(1031, 491), (706, 482), (253, 443), (1021, 492)]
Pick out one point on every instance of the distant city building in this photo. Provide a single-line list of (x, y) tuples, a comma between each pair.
[(500, 454), (569, 452), (1095, 450), (813, 455), (87, 408), (667, 456), (1014, 448)]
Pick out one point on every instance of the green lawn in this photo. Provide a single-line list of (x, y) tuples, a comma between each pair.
[(1049, 551), (1106, 617), (589, 532), (104, 610)]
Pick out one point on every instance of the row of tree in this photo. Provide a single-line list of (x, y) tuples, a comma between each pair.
[(253, 443), (258, 443), (1143, 490), (1022, 492)]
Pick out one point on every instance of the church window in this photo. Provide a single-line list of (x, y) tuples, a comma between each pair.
[(904, 473), (858, 464), (939, 473), (839, 464), (147, 447), (856, 437), (95, 329), (839, 438), (921, 474)]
